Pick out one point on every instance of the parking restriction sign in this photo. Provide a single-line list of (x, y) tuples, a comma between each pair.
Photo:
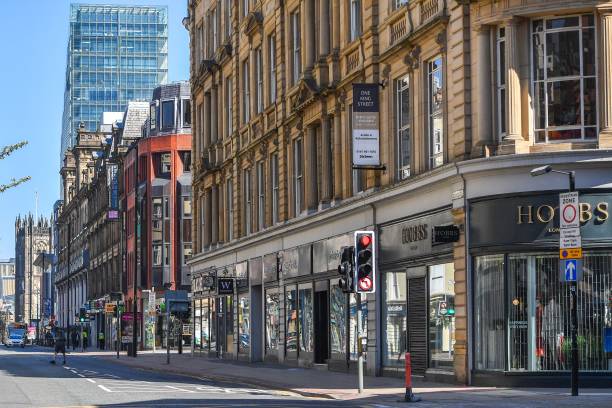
[(569, 216)]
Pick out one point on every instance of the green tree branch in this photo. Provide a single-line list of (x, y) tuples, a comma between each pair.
[(4, 153)]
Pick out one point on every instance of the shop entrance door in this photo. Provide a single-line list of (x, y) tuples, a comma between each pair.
[(221, 346), (321, 327)]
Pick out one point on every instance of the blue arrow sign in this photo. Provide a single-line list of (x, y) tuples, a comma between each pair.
[(570, 270)]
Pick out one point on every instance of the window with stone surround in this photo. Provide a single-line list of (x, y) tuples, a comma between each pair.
[(501, 81), (296, 48), (402, 126), (259, 79), (355, 20), (246, 92), (564, 78), (272, 68), (435, 98), (248, 202), (298, 179)]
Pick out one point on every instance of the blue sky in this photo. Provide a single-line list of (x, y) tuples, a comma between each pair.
[(34, 37)]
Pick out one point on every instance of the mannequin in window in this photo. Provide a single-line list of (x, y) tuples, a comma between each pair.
[(552, 331)]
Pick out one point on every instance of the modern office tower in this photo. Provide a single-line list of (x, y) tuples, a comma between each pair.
[(115, 54)]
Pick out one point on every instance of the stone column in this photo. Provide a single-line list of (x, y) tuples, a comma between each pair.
[(337, 156), (324, 27), (309, 37), (326, 160), (213, 115), (222, 211), (214, 214), (310, 164), (483, 136), (206, 122), (336, 25), (513, 81), (605, 84), (207, 219)]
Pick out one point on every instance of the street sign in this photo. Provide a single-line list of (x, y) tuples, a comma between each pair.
[(442, 308), (569, 215), (569, 238), (109, 308), (570, 270), (570, 253)]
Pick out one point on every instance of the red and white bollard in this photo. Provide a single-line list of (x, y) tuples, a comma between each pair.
[(409, 396)]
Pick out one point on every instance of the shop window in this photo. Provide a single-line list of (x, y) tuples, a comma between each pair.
[(441, 316), (337, 320), (394, 319), (291, 330), (402, 115), (489, 312), (244, 323), (197, 323), (353, 333), (205, 336), (212, 323), (272, 320), (305, 325), (435, 112), (564, 78), (538, 319)]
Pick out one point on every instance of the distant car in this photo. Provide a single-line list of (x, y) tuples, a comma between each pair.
[(16, 337)]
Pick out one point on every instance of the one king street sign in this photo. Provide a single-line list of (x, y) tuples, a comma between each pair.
[(570, 270)]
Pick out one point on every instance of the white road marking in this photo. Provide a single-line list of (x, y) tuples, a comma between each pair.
[(81, 375), (91, 381), (180, 389), (104, 388)]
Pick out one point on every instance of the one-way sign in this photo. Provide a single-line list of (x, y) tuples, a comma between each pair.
[(570, 270)]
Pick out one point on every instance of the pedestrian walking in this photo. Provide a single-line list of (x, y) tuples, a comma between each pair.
[(85, 339), (60, 345), (101, 340), (75, 339)]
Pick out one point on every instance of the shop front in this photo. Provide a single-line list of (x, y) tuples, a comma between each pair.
[(417, 295), (520, 305)]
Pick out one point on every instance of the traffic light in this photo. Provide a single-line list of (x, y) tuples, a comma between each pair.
[(82, 315), (364, 261), (345, 269)]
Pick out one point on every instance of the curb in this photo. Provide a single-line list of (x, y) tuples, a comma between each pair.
[(229, 379)]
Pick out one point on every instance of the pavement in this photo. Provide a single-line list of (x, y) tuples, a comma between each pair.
[(99, 379)]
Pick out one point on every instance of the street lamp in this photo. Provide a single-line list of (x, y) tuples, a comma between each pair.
[(538, 171)]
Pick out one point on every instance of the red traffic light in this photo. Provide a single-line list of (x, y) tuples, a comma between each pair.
[(365, 240)]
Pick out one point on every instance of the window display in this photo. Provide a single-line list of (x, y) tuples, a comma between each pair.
[(394, 319), (291, 337), (354, 336), (337, 319), (441, 315), (272, 319), (244, 323), (306, 318)]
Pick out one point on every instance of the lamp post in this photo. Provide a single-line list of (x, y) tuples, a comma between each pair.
[(573, 284)]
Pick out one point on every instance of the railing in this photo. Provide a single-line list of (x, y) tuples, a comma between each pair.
[(398, 30), (429, 8), (352, 61)]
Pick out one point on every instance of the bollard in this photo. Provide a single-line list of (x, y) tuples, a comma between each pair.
[(409, 396)]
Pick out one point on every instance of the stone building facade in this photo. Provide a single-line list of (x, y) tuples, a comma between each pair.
[(472, 96), (32, 237)]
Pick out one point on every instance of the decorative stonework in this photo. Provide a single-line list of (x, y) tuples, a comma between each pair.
[(412, 59)]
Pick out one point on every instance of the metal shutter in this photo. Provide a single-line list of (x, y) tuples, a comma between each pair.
[(417, 324)]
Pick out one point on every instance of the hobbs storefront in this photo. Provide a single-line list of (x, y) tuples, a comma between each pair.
[(417, 284), (520, 308)]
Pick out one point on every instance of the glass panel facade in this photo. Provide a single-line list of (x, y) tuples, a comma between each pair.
[(337, 320), (537, 304), (272, 320), (441, 315), (244, 323), (115, 54), (489, 312), (306, 319), (291, 312), (354, 335), (394, 319)]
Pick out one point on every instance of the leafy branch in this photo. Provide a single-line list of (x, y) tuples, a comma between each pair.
[(4, 153)]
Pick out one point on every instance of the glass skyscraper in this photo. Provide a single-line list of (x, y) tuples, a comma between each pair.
[(116, 54)]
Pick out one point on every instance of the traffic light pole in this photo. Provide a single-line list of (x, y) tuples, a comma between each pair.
[(359, 344), (118, 329)]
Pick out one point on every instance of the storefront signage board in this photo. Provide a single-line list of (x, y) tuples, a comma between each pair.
[(534, 220), (326, 253), (443, 234), (225, 286), (412, 238), (366, 133)]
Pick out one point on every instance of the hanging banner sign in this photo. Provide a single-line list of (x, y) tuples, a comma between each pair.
[(365, 121)]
